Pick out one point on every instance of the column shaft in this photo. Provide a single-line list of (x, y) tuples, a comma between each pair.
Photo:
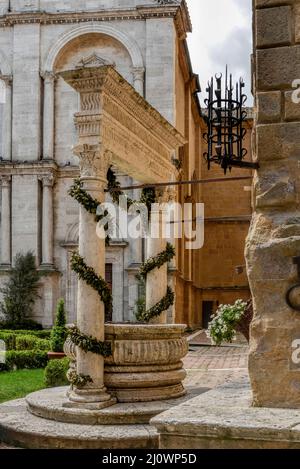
[(48, 118), (157, 279), (6, 221), (7, 120), (47, 221)]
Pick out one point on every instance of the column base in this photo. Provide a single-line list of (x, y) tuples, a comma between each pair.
[(91, 399)]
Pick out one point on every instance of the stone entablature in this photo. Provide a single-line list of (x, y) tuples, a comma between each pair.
[(52, 15), (116, 116)]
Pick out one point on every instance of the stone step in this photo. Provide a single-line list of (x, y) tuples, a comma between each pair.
[(51, 404), (19, 428)]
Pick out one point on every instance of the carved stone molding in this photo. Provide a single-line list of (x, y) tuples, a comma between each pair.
[(94, 60)]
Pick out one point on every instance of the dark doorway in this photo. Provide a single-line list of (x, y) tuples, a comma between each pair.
[(207, 311), (109, 281)]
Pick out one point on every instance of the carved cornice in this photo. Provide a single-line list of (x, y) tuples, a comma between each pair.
[(115, 115), (92, 82), (39, 168), (168, 10)]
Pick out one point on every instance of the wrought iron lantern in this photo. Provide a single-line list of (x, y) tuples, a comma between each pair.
[(226, 116)]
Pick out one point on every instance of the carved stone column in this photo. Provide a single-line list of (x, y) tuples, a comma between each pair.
[(157, 279), (139, 79), (94, 164), (48, 122), (6, 221), (47, 221), (7, 118)]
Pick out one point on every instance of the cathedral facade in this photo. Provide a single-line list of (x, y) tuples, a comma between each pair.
[(145, 40)]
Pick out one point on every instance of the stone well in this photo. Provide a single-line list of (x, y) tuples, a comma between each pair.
[(146, 361)]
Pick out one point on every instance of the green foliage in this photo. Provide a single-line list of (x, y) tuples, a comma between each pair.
[(29, 359), (158, 261), (44, 334), (78, 380), (56, 373), (25, 325), (21, 290), (89, 343), (59, 331), (9, 338), (29, 342), (224, 323), (88, 274), (18, 384), (163, 305)]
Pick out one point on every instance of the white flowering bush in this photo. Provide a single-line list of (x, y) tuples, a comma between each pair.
[(224, 323)]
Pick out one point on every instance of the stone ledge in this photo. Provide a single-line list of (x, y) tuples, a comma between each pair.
[(224, 418), (19, 428)]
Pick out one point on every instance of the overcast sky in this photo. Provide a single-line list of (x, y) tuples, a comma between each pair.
[(221, 34)]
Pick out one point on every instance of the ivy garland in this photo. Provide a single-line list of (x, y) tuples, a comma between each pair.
[(157, 262), (86, 273), (89, 343), (80, 381)]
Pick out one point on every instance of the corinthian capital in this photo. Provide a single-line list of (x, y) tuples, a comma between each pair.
[(94, 161), (49, 77), (47, 180)]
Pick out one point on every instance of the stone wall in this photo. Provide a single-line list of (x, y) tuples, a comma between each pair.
[(274, 236)]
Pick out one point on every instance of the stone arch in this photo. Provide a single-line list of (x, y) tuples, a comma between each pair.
[(5, 68), (126, 41)]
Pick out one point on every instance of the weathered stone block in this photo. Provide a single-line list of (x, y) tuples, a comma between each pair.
[(277, 67), (273, 26), (292, 109), (269, 107), (277, 141)]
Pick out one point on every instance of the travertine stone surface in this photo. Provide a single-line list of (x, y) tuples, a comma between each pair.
[(224, 419), (146, 361), (21, 429), (274, 236)]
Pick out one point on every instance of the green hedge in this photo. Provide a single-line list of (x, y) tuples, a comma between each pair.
[(30, 359), (29, 342), (9, 338), (45, 334), (55, 373)]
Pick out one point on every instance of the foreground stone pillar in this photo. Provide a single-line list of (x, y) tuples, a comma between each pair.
[(48, 123), (7, 119), (274, 236), (47, 226), (94, 164), (157, 279), (6, 221)]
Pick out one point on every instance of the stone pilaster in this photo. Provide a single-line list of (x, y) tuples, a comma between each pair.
[(47, 221), (274, 236), (139, 79), (48, 117), (94, 164), (7, 118), (6, 221)]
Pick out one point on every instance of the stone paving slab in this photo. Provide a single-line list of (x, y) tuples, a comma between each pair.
[(224, 418)]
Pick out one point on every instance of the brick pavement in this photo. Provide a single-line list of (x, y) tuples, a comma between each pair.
[(209, 366)]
